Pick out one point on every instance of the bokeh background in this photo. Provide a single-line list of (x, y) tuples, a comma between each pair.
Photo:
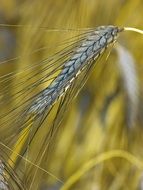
[(103, 118)]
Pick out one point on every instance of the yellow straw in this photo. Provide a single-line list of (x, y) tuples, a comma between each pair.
[(133, 29)]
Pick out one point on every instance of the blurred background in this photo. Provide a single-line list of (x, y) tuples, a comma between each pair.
[(107, 115)]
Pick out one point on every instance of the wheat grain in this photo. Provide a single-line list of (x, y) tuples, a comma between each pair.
[(89, 50)]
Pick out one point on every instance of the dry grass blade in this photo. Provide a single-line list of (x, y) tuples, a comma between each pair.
[(98, 160)]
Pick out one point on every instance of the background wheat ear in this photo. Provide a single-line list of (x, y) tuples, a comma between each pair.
[(3, 182)]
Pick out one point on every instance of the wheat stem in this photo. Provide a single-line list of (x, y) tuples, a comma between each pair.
[(133, 29)]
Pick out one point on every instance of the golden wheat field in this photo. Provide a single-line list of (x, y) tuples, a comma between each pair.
[(71, 104)]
